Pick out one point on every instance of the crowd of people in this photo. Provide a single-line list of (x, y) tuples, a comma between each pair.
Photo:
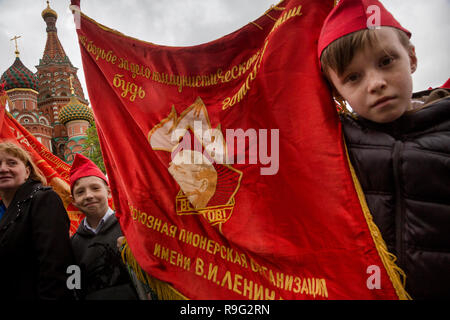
[(35, 248), (398, 143)]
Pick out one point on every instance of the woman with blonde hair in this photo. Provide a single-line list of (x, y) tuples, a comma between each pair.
[(35, 248)]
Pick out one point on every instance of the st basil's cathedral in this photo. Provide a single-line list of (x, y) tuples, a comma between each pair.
[(50, 103)]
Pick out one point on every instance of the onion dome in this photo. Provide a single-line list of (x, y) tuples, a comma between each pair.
[(75, 110), (19, 76), (49, 12)]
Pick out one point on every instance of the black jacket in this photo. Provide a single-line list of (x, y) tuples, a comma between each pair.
[(404, 170), (35, 246), (103, 274)]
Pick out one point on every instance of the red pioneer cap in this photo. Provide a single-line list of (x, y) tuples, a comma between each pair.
[(84, 167), (354, 15)]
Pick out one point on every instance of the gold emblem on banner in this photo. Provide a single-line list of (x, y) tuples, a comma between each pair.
[(214, 215), (207, 185)]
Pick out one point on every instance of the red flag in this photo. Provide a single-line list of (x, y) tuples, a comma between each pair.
[(278, 217), (3, 100), (54, 169), (446, 85)]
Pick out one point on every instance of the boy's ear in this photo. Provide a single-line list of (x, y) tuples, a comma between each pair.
[(332, 88), (73, 202), (412, 58)]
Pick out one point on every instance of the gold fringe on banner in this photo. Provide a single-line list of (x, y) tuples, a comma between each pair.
[(394, 272), (163, 290)]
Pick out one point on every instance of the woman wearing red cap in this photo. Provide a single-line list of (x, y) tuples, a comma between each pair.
[(35, 249), (399, 147)]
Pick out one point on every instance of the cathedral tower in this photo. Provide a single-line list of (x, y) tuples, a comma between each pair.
[(77, 117), (22, 88), (54, 70)]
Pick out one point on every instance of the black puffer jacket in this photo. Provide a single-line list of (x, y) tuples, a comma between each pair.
[(103, 274), (404, 170)]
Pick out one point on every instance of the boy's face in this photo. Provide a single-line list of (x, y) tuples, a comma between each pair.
[(377, 84), (90, 195)]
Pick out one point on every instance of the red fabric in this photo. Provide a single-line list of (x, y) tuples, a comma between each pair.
[(3, 100), (350, 16), (84, 167), (54, 169), (296, 234), (446, 85)]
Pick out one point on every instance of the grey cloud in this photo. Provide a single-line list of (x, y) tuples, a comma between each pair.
[(191, 22)]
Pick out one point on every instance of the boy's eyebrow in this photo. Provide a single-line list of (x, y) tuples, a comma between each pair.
[(385, 49), (94, 184), (345, 72), (382, 51)]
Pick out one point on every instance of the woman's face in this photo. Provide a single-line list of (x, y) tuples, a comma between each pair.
[(13, 172)]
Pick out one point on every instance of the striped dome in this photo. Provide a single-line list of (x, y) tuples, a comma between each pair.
[(75, 110), (19, 76)]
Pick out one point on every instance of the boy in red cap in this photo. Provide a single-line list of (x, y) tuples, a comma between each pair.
[(104, 276), (399, 147)]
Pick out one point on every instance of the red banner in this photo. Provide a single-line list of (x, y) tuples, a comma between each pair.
[(227, 163), (54, 169)]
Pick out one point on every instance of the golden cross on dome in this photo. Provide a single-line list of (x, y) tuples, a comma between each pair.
[(72, 90), (15, 40)]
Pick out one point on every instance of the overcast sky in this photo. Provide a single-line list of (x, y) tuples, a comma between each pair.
[(191, 22)]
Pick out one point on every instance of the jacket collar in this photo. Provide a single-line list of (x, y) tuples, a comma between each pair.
[(25, 192), (85, 232), (426, 118), (105, 217)]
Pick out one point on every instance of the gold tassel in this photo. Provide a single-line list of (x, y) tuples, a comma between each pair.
[(163, 290), (394, 272), (341, 106)]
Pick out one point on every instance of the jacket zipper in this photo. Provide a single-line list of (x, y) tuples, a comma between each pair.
[(399, 208)]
